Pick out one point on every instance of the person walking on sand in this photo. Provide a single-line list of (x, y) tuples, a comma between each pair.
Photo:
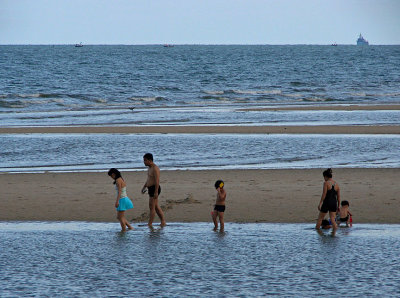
[(330, 199), (153, 187), (219, 207), (122, 202)]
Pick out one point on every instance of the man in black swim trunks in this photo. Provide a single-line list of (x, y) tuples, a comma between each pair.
[(153, 186)]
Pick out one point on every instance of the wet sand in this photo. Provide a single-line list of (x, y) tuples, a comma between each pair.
[(281, 196)]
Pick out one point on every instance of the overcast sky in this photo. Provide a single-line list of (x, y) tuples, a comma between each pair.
[(199, 21)]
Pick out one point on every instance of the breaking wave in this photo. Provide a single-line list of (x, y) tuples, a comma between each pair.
[(244, 92), (147, 99)]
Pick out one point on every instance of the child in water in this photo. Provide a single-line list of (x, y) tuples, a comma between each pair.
[(326, 224), (219, 207), (345, 214)]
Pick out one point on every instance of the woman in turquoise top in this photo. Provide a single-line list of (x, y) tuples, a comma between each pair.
[(122, 203)]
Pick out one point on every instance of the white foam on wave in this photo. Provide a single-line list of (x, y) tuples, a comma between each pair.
[(250, 92), (214, 92), (58, 100), (258, 92), (34, 95), (361, 94), (394, 94), (315, 99), (293, 95), (147, 99), (365, 94)]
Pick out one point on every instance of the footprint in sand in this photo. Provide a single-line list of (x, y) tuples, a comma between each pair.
[(169, 205)]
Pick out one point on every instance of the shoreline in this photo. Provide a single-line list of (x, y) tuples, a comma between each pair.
[(336, 107), (205, 129), (232, 128), (270, 196)]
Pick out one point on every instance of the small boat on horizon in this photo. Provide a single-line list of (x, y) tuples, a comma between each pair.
[(334, 44), (361, 41), (168, 45), (78, 45)]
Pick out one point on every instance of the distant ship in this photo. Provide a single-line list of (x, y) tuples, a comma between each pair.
[(78, 45), (361, 41), (334, 44), (168, 45)]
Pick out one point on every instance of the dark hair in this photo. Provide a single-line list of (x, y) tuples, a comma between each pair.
[(325, 223), (148, 156), (218, 183), (345, 203), (327, 173), (116, 172)]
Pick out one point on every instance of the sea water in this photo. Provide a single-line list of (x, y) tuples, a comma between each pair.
[(131, 85), (199, 86), (196, 85), (71, 259), (100, 152)]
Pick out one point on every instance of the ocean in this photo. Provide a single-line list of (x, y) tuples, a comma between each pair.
[(80, 259), (195, 85), (95, 80)]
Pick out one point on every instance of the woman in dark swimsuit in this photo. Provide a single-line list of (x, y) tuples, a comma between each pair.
[(330, 199)]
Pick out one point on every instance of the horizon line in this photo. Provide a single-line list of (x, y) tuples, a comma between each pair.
[(189, 44)]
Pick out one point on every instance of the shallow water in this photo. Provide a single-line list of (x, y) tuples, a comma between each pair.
[(189, 259), (99, 152), (200, 115)]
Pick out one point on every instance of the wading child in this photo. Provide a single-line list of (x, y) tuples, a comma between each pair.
[(219, 207), (345, 214), (326, 224)]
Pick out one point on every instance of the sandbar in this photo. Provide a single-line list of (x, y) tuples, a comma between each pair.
[(275, 196)]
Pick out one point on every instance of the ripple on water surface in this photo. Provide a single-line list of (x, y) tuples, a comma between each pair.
[(94, 259)]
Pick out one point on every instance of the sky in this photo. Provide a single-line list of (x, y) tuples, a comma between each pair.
[(199, 21)]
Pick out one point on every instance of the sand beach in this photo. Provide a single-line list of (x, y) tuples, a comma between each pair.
[(283, 196)]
